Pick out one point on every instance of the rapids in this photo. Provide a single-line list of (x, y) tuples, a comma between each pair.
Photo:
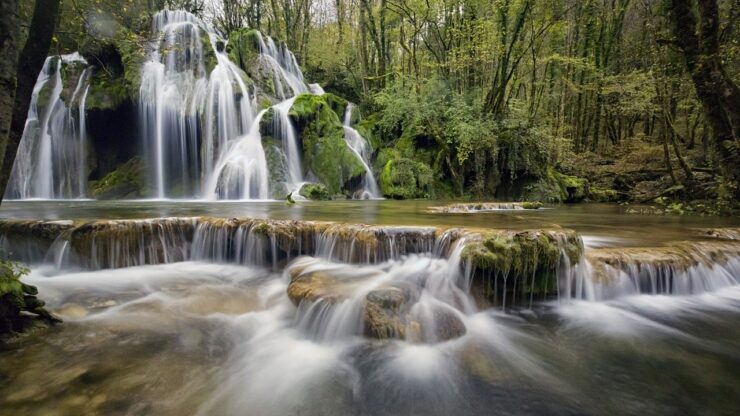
[(222, 316)]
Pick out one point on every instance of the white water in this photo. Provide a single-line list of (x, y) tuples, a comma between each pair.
[(241, 171), (51, 160), (202, 133), (275, 358), (285, 130), (362, 149)]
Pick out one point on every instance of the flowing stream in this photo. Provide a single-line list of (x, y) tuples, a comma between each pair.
[(206, 315)]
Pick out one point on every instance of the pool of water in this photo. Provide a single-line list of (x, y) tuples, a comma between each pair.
[(601, 224)]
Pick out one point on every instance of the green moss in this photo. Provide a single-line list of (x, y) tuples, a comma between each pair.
[(337, 104), (404, 178), (315, 192), (18, 299), (128, 181), (531, 205), (106, 93), (325, 153), (557, 187), (599, 194), (243, 47), (530, 258)]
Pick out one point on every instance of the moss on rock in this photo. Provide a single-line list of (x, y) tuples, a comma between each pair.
[(128, 181), (529, 258), (315, 192), (325, 153), (18, 299), (244, 47), (557, 187), (403, 178)]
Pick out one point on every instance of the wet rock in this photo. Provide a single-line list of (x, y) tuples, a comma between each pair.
[(383, 316), (444, 326)]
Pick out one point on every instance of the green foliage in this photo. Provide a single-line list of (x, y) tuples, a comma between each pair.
[(17, 298), (315, 192), (404, 178)]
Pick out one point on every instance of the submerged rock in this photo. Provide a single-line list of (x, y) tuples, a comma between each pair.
[(485, 207)]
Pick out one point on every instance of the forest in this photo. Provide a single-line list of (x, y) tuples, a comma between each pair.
[(557, 101)]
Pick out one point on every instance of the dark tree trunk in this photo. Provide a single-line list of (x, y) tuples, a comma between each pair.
[(719, 96), (30, 63), (8, 67)]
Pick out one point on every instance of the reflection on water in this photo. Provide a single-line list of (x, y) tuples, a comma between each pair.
[(606, 223), (214, 339)]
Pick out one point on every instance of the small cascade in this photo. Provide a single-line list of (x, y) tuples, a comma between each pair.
[(362, 149), (241, 171), (284, 67), (285, 130), (679, 270), (51, 162)]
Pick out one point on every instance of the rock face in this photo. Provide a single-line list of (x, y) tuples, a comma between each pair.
[(521, 264)]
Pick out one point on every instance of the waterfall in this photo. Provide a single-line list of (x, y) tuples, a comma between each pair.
[(197, 115), (682, 270), (362, 149), (285, 130), (284, 67), (184, 108), (51, 158), (241, 171)]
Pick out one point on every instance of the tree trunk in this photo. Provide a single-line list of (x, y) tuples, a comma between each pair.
[(8, 68), (719, 96)]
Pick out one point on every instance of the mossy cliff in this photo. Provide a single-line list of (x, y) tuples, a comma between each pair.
[(325, 153)]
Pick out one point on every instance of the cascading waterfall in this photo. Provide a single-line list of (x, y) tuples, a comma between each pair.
[(195, 119), (362, 149), (197, 115), (241, 171), (372, 319), (285, 130), (51, 159), (284, 67), (183, 107)]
